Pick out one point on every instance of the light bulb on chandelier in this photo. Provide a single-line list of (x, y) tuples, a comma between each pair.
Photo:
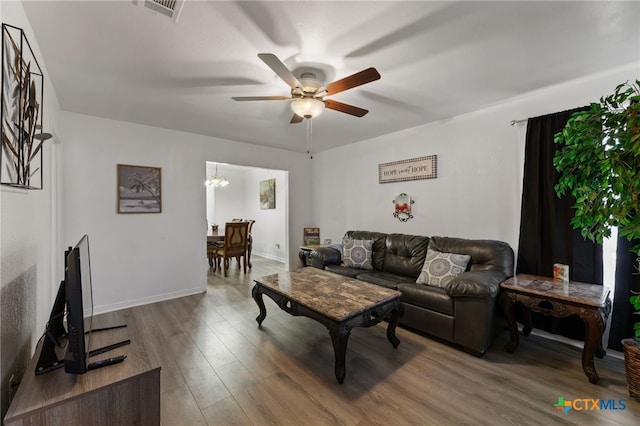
[(217, 181)]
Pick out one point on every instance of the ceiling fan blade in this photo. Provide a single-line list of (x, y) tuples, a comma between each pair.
[(279, 68), (296, 119), (354, 80), (346, 108), (260, 98)]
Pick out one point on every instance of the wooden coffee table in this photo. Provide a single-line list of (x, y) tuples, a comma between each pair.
[(338, 302), (590, 302)]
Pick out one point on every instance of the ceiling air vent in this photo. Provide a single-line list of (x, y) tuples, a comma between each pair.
[(168, 8)]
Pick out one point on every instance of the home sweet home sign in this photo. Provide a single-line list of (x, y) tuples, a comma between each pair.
[(412, 169)]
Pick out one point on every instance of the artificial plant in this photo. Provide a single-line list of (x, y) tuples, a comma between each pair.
[(598, 159), (635, 301)]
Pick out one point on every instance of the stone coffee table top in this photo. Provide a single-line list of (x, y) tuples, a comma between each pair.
[(573, 291), (332, 295)]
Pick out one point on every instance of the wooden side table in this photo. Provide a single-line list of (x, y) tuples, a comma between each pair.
[(590, 302)]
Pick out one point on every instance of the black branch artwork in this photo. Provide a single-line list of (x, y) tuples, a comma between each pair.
[(22, 136)]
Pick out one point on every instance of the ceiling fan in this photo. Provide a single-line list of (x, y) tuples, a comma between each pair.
[(308, 93)]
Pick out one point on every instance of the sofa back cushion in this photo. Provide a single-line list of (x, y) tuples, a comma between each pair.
[(378, 245), (486, 255), (405, 254)]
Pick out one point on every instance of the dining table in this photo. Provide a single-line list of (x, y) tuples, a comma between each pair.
[(214, 236)]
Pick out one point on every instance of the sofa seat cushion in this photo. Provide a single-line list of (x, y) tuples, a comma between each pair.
[(384, 279), (343, 270), (428, 297)]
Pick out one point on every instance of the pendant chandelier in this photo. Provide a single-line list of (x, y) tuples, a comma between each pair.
[(217, 181)]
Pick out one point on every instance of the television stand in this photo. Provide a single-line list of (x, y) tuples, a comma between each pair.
[(132, 386)]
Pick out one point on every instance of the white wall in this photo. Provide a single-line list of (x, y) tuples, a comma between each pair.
[(230, 201), (269, 231), (480, 159), (141, 258), (29, 225)]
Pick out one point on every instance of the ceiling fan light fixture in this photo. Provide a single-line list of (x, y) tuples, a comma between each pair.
[(307, 107)]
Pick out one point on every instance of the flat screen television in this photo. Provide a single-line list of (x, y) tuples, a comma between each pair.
[(75, 299), (79, 306)]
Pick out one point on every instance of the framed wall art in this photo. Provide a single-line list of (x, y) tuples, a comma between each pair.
[(311, 236), (412, 169), (139, 189), (21, 112), (268, 194)]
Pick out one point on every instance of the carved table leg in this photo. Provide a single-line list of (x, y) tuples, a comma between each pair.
[(394, 319), (595, 328), (507, 299), (339, 337), (604, 311), (257, 296), (526, 329)]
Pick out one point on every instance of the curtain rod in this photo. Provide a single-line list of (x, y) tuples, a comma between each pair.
[(514, 122)]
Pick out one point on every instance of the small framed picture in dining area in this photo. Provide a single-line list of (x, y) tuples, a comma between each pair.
[(139, 189), (268, 194)]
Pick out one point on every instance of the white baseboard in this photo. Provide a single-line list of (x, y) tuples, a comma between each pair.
[(269, 256), (571, 342), (146, 300)]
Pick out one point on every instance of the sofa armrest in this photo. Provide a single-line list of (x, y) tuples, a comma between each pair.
[(481, 284), (323, 256)]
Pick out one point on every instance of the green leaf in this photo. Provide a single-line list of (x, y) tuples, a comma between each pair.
[(635, 301)]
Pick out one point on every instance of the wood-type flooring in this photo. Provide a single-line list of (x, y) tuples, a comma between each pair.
[(219, 368)]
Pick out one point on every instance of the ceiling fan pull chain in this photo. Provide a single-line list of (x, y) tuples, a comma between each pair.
[(309, 138)]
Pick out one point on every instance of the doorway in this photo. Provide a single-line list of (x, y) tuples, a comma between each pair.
[(241, 199)]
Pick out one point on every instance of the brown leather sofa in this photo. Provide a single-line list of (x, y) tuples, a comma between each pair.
[(463, 311)]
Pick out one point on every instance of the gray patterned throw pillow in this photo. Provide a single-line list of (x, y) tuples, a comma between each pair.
[(357, 253), (440, 268)]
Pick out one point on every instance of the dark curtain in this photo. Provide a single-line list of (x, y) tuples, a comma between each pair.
[(546, 234), (627, 279)]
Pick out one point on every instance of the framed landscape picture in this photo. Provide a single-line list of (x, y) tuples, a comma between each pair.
[(268, 194), (139, 189)]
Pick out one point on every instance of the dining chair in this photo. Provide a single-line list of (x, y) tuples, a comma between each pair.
[(211, 249), (249, 241), (221, 243), (235, 245)]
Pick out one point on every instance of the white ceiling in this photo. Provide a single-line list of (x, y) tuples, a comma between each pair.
[(117, 60)]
